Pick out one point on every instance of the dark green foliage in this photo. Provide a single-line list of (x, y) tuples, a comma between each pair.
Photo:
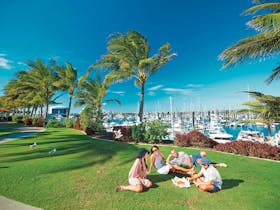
[(92, 118), (155, 131), (54, 124), (69, 123), (137, 132)]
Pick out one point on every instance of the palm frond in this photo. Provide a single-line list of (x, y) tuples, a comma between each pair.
[(265, 22), (273, 7), (275, 75), (258, 46)]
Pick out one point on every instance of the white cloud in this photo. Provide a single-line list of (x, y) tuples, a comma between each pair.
[(195, 85), (155, 87), (178, 91), (4, 63), (121, 93)]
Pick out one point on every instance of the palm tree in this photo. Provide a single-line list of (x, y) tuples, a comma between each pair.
[(93, 92), (128, 57), (265, 43), (67, 80), (41, 78), (266, 106)]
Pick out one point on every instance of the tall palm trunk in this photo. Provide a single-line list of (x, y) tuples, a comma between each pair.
[(69, 106), (141, 108)]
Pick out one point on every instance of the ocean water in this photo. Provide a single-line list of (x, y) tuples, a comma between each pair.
[(235, 130)]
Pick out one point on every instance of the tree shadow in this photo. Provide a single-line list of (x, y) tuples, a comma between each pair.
[(230, 183), (85, 148)]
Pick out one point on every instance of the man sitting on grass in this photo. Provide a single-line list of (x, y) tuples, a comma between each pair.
[(209, 178), (180, 162)]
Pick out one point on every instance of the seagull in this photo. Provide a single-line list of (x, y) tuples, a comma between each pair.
[(53, 151), (33, 145), (118, 134)]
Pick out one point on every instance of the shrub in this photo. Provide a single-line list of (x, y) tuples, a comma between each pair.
[(78, 124), (137, 132), (155, 131), (92, 118), (125, 132), (28, 121), (54, 124), (255, 149), (17, 118), (194, 138), (40, 122), (69, 123)]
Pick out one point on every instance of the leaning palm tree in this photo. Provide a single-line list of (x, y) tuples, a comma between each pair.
[(67, 80), (41, 78), (266, 106), (93, 92), (129, 57), (265, 43)]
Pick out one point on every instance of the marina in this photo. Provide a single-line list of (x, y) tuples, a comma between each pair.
[(221, 127)]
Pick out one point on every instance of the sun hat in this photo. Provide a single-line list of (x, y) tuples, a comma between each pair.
[(205, 160), (142, 152)]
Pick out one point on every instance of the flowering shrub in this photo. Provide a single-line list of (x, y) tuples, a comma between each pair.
[(255, 149), (248, 148), (40, 122), (125, 132), (28, 121), (78, 124), (194, 138)]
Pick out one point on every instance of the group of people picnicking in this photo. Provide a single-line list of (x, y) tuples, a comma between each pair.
[(208, 179)]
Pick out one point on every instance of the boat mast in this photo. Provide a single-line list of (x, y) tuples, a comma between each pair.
[(171, 115)]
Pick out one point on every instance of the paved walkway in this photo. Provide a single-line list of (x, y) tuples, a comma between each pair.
[(6, 203), (24, 132)]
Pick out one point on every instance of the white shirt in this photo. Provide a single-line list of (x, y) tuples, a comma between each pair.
[(211, 173)]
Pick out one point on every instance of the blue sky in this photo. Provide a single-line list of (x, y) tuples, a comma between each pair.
[(198, 31)]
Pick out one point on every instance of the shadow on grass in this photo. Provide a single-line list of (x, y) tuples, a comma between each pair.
[(230, 183), (87, 151), (157, 178)]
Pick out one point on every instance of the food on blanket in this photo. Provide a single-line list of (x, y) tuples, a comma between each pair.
[(179, 182)]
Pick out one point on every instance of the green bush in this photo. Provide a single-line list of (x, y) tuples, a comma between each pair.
[(54, 124), (155, 131), (137, 132), (92, 118), (35, 120), (69, 123), (17, 118)]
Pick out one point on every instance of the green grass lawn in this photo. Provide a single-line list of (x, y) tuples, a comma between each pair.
[(84, 172)]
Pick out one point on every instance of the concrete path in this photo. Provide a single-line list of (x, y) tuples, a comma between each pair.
[(8, 204), (24, 132)]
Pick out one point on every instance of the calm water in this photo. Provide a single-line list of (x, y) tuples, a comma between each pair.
[(235, 130)]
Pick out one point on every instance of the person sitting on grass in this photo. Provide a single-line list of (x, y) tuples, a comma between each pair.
[(202, 154), (157, 160), (137, 174), (208, 179), (180, 162)]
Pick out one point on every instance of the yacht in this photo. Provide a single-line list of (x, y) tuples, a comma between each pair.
[(217, 132), (251, 135)]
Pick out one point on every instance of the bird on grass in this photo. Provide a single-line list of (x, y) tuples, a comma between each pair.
[(53, 151), (33, 145)]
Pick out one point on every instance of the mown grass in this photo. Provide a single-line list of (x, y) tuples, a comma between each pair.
[(84, 172)]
